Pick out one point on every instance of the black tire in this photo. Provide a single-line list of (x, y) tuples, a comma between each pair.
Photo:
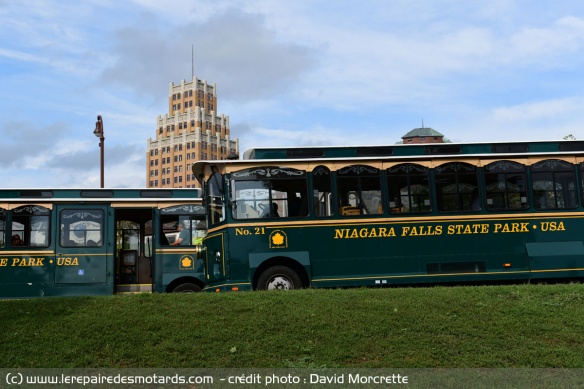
[(279, 278), (186, 288)]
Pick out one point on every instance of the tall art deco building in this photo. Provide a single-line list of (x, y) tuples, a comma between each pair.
[(190, 131)]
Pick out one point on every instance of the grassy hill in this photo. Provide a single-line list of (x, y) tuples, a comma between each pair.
[(470, 327)]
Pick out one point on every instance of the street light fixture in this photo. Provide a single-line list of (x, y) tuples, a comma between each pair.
[(99, 133)]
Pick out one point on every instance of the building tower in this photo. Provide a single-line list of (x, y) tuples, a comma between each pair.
[(191, 131), (424, 135)]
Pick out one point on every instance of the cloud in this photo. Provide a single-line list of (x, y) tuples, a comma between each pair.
[(233, 49), (551, 43), (64, 159), (24, 141), (535, 111), (257, 136)]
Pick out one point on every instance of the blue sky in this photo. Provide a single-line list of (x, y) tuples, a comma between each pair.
[(288, 73)]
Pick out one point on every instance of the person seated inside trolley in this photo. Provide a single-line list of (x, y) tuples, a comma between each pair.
[(273, 213), (183, 238), (16, 241)]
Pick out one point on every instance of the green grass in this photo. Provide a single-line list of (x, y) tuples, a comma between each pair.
[(476, 326)]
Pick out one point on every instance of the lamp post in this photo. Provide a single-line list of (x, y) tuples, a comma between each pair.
[(99, 133)]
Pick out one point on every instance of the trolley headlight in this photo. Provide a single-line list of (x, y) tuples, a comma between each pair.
[(218, 256)]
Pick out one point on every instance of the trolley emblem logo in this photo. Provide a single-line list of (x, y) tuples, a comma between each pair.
[(186, 263), (278, 240)]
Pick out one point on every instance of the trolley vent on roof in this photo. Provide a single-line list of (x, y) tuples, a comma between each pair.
[(97, 193), (155, 193), (36, 193), (511, 148), (374, 151), (304, 153), (450, 149), (572, 146)]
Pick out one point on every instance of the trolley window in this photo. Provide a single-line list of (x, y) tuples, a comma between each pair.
[(30, 226), (2, 227), (408, 189), (322, 191), (506, 186), (457, 187), (182, 225), (359, 190), (81, 228), (553, 185)]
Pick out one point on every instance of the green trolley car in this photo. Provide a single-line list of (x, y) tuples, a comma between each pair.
[(286, 218), (100, 241)]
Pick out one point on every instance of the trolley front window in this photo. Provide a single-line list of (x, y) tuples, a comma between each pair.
[(269, 192), (215, 198)]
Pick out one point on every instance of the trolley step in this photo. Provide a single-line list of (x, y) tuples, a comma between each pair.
[(133, 288)]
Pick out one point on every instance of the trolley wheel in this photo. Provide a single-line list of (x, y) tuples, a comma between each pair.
[(279, 278), (186, 288)]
